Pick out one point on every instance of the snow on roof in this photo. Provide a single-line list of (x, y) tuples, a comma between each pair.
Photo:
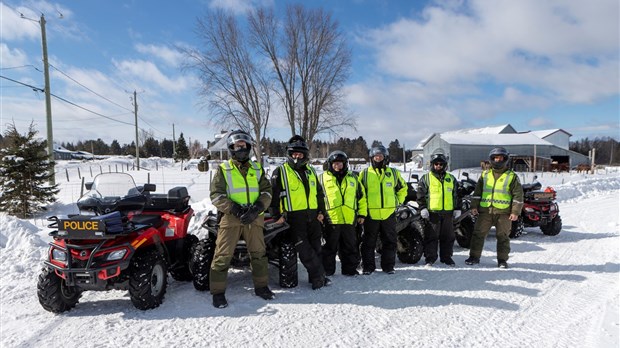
[(220, 144), (484, 130), (501, 129), (493, 139), (547, 132)]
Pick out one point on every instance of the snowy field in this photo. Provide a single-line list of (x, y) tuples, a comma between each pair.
[(561, 291)]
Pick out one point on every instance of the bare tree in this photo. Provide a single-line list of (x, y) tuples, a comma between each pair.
[(311, 63), (234, 82)]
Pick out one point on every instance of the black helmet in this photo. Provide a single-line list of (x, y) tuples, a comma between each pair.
[(379, 149), (439, 157), (297, 144), (241, 155), (498, 151), (338, 156)]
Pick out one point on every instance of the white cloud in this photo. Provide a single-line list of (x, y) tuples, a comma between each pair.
[(149, 72), (170, 56), (13, 27), (12, 57), (239, 6), (529, 42)]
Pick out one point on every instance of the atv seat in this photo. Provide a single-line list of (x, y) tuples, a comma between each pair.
[(153, 220), (177, 200), (532, 187)]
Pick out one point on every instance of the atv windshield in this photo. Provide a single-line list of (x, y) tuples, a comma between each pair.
[(112, 186)]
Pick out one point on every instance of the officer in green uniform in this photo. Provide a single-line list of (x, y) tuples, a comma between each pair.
[(241, 193), (346, 205), (298, 199), (384, 189), (439, 205), (497, 200)]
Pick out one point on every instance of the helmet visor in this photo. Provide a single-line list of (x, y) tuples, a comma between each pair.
[(233, 138)]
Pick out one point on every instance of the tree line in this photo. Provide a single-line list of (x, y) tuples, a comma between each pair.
[(607, 149)]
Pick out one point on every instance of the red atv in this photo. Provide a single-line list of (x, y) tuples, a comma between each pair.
[(125, 237), (539, 210)]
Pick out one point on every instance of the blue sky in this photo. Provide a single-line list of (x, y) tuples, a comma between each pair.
[(419, 67)]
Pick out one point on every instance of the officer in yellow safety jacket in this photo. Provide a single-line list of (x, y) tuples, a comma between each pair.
[(298, 199), (240, 192), (384, 189), (497, 200), (346, 206), (437, 199)]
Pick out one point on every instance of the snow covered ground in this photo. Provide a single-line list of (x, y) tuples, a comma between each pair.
[(560, 291)]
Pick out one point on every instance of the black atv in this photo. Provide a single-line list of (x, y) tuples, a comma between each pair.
[(280, 247), (410, 228), (464, 224), (539, 210)]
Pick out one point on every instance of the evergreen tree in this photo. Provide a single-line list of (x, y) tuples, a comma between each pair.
[(115, 148), (24, 173), (182, 150), (166, 148)]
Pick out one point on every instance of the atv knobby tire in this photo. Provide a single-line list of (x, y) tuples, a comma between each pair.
[(517, 228), (148, 279), (184, 273), (410, 243), (200, 262), (464, 232), (552, 228), (288, 265), (54, 295)]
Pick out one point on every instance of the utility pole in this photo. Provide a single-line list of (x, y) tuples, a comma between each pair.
[(135, 112), (48, 98)]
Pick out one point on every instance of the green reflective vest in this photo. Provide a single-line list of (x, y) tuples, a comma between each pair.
[(340, 199), (240, 189), (296, 197), (440, 193), (384, 191), (496, 193)]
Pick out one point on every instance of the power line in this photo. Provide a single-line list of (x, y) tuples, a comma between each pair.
[(93, 112), (36, 89)]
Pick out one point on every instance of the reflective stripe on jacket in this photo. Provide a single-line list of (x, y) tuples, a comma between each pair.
[(440, 193), (384, 191), (341, 200), (240, 189), (296, 197), (497, 193)]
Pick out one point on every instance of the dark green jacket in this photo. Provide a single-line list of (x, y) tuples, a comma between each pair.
[(515, 189), (222, 202)]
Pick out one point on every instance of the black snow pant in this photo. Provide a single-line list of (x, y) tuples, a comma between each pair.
[(386, 230), (442, 233), (341, 240), (307, 236)]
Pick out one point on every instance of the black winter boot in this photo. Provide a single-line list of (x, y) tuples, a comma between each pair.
[(219, 301), (265, 293)]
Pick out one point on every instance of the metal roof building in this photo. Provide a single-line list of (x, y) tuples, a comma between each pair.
[(468, 148)]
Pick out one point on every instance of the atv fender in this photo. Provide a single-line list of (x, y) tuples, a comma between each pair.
[(151, 238)]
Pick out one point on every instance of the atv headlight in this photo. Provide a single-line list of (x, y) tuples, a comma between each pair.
[(59, 255), (117, 255), (529, 210)]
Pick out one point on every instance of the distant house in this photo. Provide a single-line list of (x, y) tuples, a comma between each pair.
[(219, 144), (535, 150)]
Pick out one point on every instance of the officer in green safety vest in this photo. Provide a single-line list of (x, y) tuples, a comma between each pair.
[(384, 189), (346, 206), (298, 199), (439, 205), (497, 200), (241, 192)]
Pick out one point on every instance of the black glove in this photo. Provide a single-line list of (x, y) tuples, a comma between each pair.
[(252, 213), (237, 210)]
